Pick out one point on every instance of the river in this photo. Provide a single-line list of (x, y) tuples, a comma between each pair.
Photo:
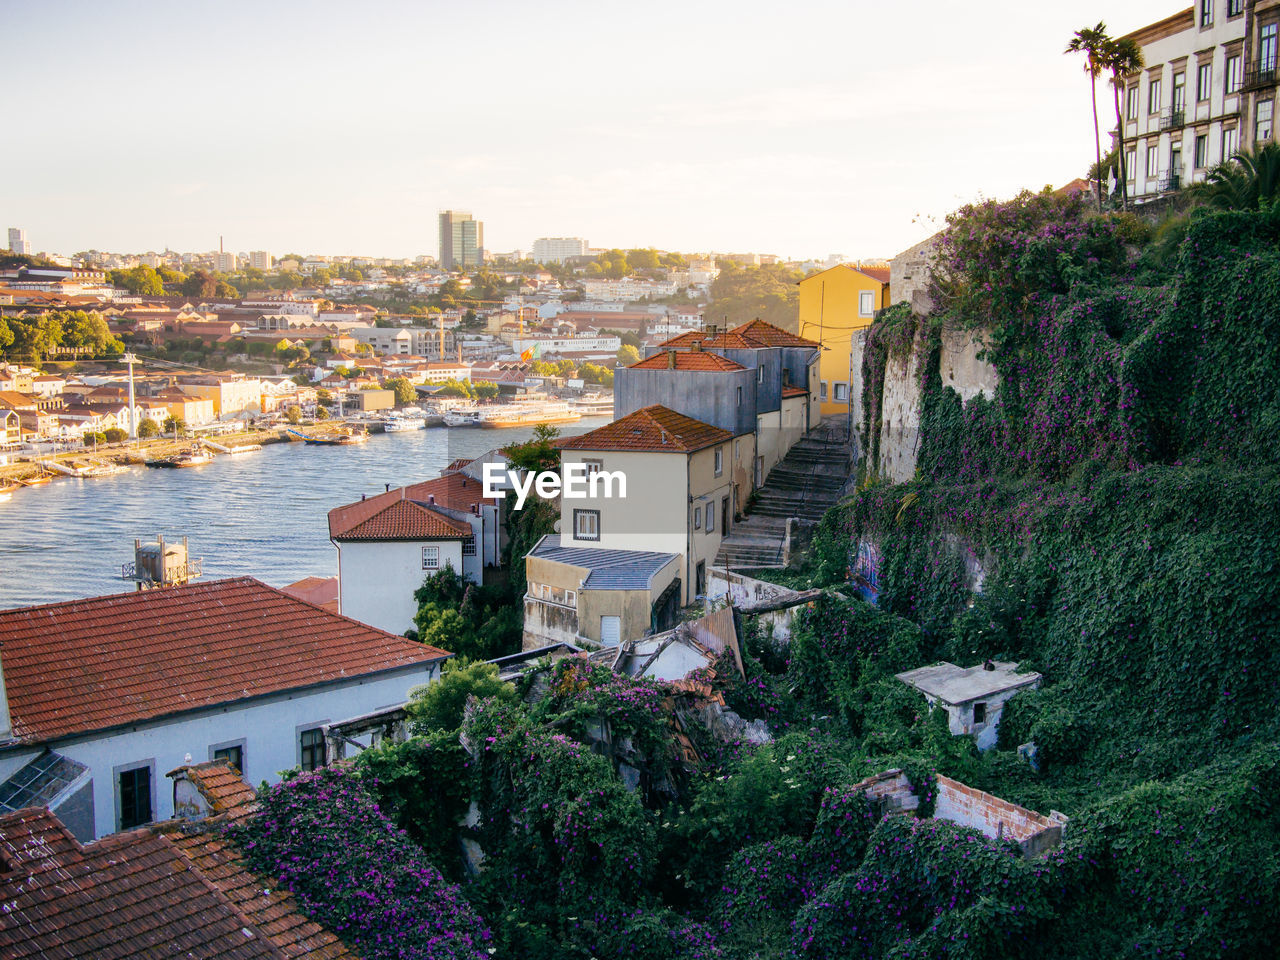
[(261, 514)]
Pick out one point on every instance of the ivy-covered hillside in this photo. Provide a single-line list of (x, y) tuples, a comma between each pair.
[(1108, 518)]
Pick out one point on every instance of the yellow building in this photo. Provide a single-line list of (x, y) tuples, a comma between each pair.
[(834, 305)]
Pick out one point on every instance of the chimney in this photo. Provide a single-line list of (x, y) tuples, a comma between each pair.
[(386, 488), (6, 726), (671, 359), (431, 499)]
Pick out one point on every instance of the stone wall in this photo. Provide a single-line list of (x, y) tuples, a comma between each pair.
[(909, 276), (900, 413), (960, 368)]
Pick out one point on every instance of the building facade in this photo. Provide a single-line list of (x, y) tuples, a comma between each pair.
[(835, 306), (461, 240), (558, 249), (18, 242)]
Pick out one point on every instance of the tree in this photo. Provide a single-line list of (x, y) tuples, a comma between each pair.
[(293, 413), (6, 335), (536, 454), (142, 280), (402, 388), (322, 413), (1245, 182), (148, 428), (769, 292), (485, 389), (627, 355), (1122, 57), (175, 425), (439, 705), (115, 434), (87, 332), (1094, 43), (200, 283), (455, 388)]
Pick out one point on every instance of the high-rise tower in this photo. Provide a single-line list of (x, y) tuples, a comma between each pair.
[(461, 240)]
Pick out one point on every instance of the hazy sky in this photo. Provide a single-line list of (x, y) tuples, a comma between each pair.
[(798, 128)]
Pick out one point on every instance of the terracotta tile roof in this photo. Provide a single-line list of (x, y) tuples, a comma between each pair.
[(875, 273), (771, 336), (270, 910), (91, 664), (688, 360), (132, 895), (403, 520), (228, 794), (453, 491), (322, 591), (789, 391), (650, 429)]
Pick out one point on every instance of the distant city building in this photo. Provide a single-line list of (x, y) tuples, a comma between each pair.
[(461, 240), (558, 249), (260, 259), (225, 262), (18, 242)]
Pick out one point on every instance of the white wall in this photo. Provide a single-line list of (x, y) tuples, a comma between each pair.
[(377, 579), (269, 727)]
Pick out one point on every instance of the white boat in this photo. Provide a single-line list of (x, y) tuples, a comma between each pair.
[(462, 417), (243, 448), (403, 424), (6, 494), (527, 415), (593, 406)]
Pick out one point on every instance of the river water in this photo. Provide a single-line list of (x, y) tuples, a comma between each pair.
[(261, 514)]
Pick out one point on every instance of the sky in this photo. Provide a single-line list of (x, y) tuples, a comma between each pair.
[(800, 129)]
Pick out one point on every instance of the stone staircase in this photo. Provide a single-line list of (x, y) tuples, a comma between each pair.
[(807, 483)]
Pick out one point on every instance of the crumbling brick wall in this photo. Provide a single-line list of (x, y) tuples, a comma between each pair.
[(968, 807)]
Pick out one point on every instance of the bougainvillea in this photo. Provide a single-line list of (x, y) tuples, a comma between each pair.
[(321, 837)]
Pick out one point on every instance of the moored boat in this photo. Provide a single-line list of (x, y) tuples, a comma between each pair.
[(530, 415)]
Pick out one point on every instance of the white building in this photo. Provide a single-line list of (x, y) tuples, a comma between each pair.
[(973, 697), (18, 242), (558, 249), (224, 261), (628, 288), (260, 260), (1208, 90), (108, 694), (603, 347), (388, 544)]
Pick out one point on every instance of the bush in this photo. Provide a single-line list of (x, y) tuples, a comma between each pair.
[(148, 428), (438, 705), (115, 435)]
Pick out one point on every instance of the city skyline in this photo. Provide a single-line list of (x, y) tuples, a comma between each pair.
[(844, 129)]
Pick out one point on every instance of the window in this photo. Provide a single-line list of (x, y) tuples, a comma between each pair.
[(822, 390), (1206, 13), (586, 524), (234, 755), (980, 712), (866, 303), (593, 466), (697, 518), (469, 546), (1131, 103), (1263, 133), (1202, 151), (739, 396), (1153, 96), (1204, 81), (1235, 8), (719, 454), (1179, 92), (1153, 162), (1131, 164), (759, 374), (1232, 74), (311, 746), (430, 558), (1230, 143), (135, 797), (840, 392), (1267, 49), (711, 518)]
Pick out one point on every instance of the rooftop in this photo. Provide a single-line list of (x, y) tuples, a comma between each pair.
[(956, 685), (688, 360), (453, 491), (403, 520), (610, 569), (86, 665), (653, 429)]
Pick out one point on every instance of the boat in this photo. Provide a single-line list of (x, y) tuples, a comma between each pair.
[(39, 480), (462, 417), (595, 405), (6, 492), (403, 424), (335, 440), (195, 457), (527, 415), (243, 448)]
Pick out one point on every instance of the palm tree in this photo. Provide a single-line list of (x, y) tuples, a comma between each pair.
[(1245, 182), (1122, 57), (1093, 42)]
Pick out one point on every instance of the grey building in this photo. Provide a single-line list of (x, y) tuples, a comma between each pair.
[(461, 240)]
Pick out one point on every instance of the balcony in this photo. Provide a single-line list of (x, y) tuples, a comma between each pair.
[(1260, 75), (1172, 119), (1170, 182)]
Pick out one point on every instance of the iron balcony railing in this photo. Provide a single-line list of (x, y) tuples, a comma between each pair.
[(1172, 119), (1260, 75), (1170, 182)]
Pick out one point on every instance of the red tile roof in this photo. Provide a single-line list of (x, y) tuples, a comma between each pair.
[(875, 273), (650, 429), (688, 360), (404, 520), (132, 895), (91, 664), (322, 591), (789, 391), (771, 336), (453, 491), (228, 794)]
